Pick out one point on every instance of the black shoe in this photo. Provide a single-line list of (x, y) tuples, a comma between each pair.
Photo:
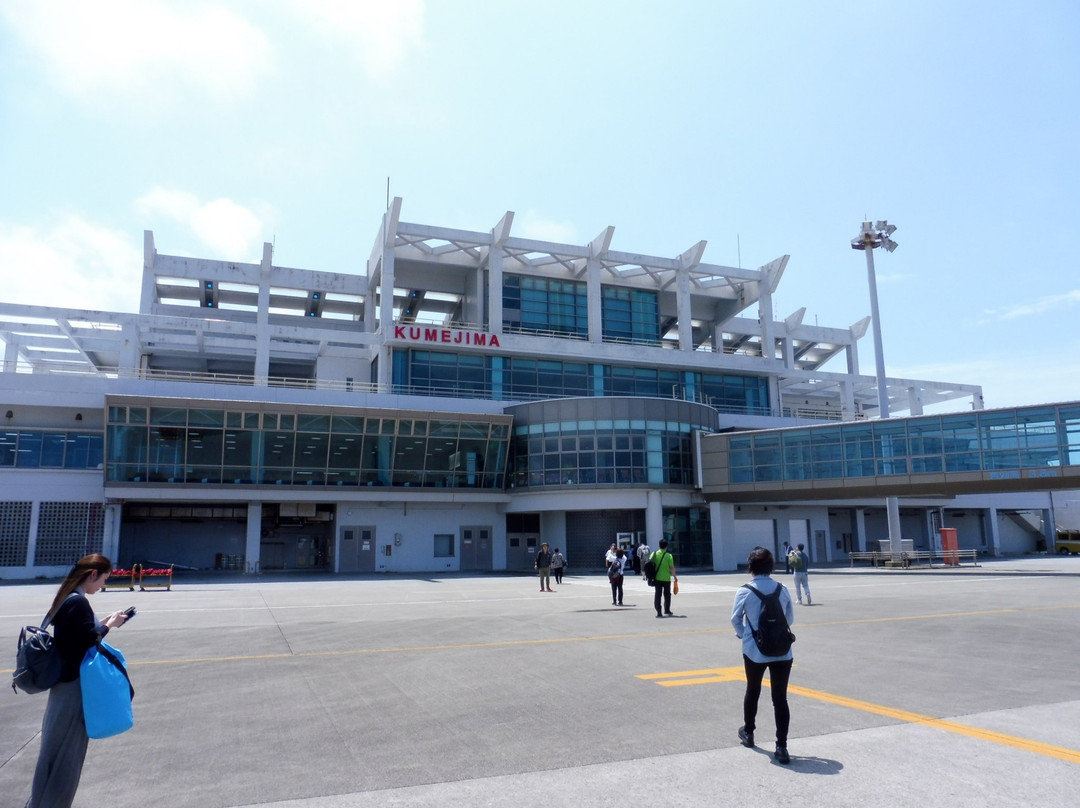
[(782, 756), (659, 615), (747, 738), (670, 614)]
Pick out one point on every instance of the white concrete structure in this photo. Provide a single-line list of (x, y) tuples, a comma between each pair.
[(462, 397)]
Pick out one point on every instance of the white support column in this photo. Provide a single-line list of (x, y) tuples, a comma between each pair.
[(31, 538), (787, 349), (594, 302), (148, 290), (492, 320), (253, 546), (722, 527), (1049, 527), (683, 301), (860, 530), (110, 539), (654, 519), (915, 402), (765, 318), (262, 319), (386, 318), (847, 400), (782, 533), (11, 355), (594, 289), (993, 533), (494, 315), (819, 521)]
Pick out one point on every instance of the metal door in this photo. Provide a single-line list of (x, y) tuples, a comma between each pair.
[(357, 550), (521, 550), (475, 548)]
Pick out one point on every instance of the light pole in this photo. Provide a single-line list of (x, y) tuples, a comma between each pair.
[(871, 236)]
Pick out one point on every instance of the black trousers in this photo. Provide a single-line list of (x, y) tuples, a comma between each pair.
[(557, 572), (662, 588), (616, 590), (779, 673)]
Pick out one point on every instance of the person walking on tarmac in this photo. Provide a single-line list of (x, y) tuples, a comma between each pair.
[(543, 566), (799, 562), (665, 574)]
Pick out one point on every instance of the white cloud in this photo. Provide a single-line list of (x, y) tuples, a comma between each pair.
[(227, 229), (74, 264), (142, 50), (379, 33), (531, 225), (1040, 306)]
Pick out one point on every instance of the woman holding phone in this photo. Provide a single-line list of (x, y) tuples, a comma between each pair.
[(63, 732)]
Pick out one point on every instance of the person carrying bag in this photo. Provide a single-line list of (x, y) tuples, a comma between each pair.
[(106, 692)]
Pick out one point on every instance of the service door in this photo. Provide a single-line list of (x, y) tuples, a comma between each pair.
[(357, 550), (475, 549), (521, 550)]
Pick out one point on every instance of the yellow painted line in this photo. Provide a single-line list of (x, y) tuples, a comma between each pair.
[(700, 677), (737, 674), (1059, 752)]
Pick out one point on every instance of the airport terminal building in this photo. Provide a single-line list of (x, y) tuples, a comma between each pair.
[(459, 399)]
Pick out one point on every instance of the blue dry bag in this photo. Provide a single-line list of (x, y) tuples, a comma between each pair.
[(106, 692)]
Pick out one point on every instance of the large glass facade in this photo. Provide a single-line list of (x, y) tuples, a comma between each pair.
[(211, 445), (993, 441), (512, 378), (585, 443), (630, 315), (44, 449), (545, 305)]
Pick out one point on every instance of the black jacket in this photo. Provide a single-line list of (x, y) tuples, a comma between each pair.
[(75, 630)]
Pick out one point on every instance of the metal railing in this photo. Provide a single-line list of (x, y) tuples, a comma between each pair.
[(947, 558)]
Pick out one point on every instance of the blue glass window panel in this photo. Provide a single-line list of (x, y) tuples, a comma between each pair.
[(9, 445)]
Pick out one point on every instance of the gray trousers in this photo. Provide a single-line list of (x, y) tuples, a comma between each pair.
[(63, 749)]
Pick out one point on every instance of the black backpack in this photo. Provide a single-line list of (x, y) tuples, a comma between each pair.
[(651, 568), (773, 637)]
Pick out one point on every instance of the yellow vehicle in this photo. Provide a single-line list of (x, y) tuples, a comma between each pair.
[(1067, 541)]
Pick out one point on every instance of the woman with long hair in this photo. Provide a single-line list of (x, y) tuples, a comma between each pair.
[(63, 732)]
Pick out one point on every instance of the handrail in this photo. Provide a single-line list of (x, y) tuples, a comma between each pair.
[(948, 557)]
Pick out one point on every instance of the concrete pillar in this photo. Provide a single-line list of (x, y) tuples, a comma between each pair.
[(386, 318), (991, 531), (1049, 528), (148, 290), (262, 319), (722, 526), (110, 539), (682, 302), (254, 537), (915, 403), (781, 534), (493, 318), (654, 519), (860, 530), (594, 301), (31, 538), (819, 521), (552, 530), (765, 317)]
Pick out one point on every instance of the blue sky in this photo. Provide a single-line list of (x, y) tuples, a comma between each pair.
[(764, 128)]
